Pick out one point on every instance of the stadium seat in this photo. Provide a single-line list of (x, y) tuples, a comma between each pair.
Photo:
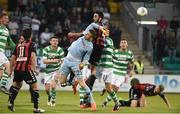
[(167, 65)]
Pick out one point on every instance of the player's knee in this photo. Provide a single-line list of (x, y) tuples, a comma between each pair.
[(47, 86), (34, 86), (134, 103), (17, 84)]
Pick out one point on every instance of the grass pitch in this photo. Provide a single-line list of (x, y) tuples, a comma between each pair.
[(67, 103)]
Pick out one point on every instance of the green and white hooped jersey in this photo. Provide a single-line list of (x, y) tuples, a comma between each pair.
[(4, 35), (121, 60), (106, 60), (49, 53)]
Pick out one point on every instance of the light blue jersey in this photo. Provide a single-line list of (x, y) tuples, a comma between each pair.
[(92, 26), (79, 51)]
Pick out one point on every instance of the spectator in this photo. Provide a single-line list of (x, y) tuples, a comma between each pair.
[(35, 27), (45, 36), (26, 19), (162, 23), (106, 14), (160, 41), (51, 18), (86, 17), (139, 66), (61, 15), (13, 30), (174, 25), (40, 9), (172, 44), (115, 33), (43, 26)]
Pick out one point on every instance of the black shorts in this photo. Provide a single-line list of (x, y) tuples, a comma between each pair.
[(96, 54), (134, 94), (28, 76)]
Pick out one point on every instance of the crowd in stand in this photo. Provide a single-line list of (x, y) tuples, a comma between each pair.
[(56, 17), (166, 39)]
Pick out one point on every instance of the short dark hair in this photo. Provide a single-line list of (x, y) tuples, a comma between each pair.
[(55, 37), (3, 13), (94, 33), (26, 33), (100, 14), (161, 87), (123, 39)]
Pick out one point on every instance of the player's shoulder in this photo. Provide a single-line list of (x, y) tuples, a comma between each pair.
[(47, 48), (33, 44), (109, 39), (59, 48), (116, 50), (129, 51)]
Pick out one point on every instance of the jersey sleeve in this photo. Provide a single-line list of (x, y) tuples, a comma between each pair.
[(91, 26), (15, 51), (10, 43), (45, 53), (33, 48), (131, 59), (87, 56), (61, 53)]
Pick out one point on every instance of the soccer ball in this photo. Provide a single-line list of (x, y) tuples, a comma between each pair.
[(142, 11)]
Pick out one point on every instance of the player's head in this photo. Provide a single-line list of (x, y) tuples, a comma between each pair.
[(54, 41), (90, 35), (98, 16), (159, 88), (27, 34), (139, 58), (123, 44), (134, 81), (4, 18)]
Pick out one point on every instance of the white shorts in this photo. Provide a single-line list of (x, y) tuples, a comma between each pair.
[(104, 73), (118, 80), (49, 77), (86, 72), (3, 59)]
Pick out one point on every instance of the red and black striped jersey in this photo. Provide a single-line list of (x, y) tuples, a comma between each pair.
[(147, 89), (99, 40), (23, 55)]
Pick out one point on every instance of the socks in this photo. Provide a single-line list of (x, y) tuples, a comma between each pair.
[(53, 94), (108, 99), (4, 79), (112, 96), (14, 92), (31, 93), (90, 81), (49, 95), (36, 98), (81, 94), (89, 94)]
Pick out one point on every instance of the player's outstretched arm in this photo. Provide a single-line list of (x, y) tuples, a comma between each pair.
[(75, 34), (166, 101)]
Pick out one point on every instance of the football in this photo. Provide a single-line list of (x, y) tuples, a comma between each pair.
[(142, 11)]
